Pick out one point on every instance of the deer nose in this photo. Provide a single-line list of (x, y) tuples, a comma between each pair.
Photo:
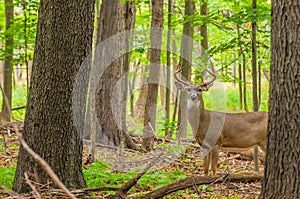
[(194, 96)]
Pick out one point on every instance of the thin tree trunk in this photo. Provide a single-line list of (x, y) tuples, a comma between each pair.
[(240, 82), (168, 75), (9, 42), (244, 69), (153, 79), (203, 27), (185, 63), (129, 25), (254, 79), (91, 111)]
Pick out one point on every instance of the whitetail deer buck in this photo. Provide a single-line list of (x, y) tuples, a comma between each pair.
[(217, 130)]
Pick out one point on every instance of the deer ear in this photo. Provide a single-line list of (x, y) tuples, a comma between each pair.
[(180, 86)]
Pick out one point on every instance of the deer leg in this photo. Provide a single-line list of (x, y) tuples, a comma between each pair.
[(215, 158), (263, 146), (207, 159)]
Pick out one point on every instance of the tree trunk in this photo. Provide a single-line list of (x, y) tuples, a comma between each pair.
[(186, 63), (203, 27), (157, 23), (240, 82), (110, 90), (9, 42), (64, 40), (168, 72), (244, 69), (254, 78), (282, 173)]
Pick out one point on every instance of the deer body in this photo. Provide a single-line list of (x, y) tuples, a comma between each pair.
[(217, 130)]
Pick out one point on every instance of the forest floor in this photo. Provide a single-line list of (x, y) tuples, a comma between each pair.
[(185, 160)]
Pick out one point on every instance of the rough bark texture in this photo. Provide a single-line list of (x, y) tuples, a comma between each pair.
[(157, 24), (110, 89), (186, 64), (282, 171), (9, 41), (64, 39)]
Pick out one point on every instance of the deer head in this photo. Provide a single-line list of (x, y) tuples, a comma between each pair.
[(194, 89)]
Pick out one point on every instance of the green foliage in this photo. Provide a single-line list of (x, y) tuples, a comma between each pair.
[(7, 176), (19, 98), (99, 174), (167, 123), (23, 30)]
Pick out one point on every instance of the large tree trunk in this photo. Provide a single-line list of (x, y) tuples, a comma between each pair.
[(282, 173), (157, 24), (63, 41), (110, 89), (9, 41)]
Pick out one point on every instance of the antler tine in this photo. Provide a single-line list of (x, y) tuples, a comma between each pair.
[(178, 79), (212, 74)]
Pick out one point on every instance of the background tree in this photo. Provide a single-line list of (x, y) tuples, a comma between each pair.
[(7, 87), (111, 119), (282, 174), (157, 24), (185, 63), (64, 40)]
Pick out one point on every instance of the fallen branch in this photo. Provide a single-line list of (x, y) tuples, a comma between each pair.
[(201, 180), (9, 191), (122, 192)]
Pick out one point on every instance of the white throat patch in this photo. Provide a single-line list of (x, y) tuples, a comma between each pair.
[(193, 104)]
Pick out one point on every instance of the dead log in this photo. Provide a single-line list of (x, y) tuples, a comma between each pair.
[(201, 180)]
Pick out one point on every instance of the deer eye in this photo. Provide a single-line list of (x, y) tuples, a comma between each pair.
[(199, 89), (188, 89)]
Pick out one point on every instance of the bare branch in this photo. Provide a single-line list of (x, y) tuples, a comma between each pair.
[(200, 180), (35, 193), (127, 186)]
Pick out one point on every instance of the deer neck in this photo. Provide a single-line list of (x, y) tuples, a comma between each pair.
[(197, 114)]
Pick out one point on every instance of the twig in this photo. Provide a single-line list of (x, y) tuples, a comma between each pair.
[(9, 191), (7, 104), (35, 193), (108, 146), (195, 186), (4, 144), (44, 165), (127, 186)]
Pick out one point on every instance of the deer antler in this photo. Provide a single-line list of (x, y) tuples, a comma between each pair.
[(178, 79), (212, 74)]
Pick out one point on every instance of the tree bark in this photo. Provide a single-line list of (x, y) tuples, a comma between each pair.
[(9, 42), (254, 78), (157, 23), (282, 171), (168, 72), (64, 40), (110, 90), (186, 63)]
